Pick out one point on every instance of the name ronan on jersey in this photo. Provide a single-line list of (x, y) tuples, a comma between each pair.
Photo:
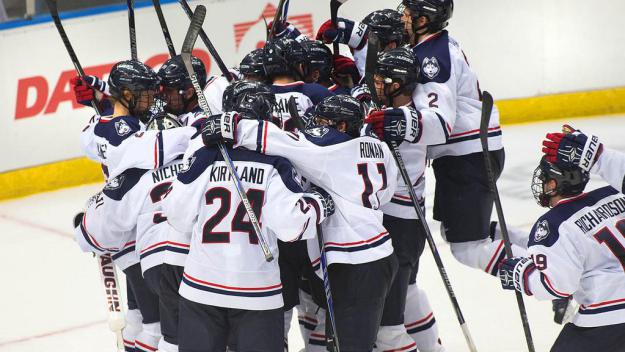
[(370, 150), (588, 221)]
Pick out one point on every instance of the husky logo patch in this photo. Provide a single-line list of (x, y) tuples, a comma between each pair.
[(122, 128), (318, 131), (430, 67), (186, 165), (542, 231), (114, 183)]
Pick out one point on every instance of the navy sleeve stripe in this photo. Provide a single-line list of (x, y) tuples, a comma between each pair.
[(443, 126)]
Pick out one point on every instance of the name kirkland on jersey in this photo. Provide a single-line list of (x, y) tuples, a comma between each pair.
[(591, 219), (370, 150), (246, 174)]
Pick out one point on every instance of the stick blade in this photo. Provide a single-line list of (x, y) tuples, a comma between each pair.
[(194, 29)]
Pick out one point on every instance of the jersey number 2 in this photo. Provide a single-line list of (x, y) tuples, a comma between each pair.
[(605, 236), (239, 224)]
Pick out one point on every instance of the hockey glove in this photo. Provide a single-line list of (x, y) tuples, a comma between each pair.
[(78, 218), (573, 149), (321, 201), (345, 66), (220, 128), (85, 89), (286, 30), (362, 94), (354, 34), (395, 124), (514, 273)]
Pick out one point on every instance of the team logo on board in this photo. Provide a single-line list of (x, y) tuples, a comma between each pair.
[(122, 128), (542, 231), (430, 67)]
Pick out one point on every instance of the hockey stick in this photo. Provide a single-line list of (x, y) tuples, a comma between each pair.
[(161, 20), (131, 29), (107, 270), (54, 12), (334, 12), (276, 18), (187, 47), (372, 50), (332, 338), (487, 108), (209, 45)]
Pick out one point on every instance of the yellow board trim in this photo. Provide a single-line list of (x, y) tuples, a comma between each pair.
[(74, 172), (48, 177)]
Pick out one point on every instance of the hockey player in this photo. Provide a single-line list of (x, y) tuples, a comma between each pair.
[(361, 176), (283, 61), (577, 247), (228, 287), (396, 77), (177, 90)]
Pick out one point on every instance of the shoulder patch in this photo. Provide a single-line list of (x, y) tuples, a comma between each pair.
[(317, 132), (186, 165), (115, 183), (430, 67), (117, 187), (542, 231), (122, 128)]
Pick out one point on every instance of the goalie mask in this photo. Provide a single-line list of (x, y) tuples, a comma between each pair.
[(340, 108), (138, 79), (163, 121), (569, 181)]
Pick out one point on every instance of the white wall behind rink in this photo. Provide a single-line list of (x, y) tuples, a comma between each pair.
[(518, 49)]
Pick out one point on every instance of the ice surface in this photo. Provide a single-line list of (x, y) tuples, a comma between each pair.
[(51, 298)]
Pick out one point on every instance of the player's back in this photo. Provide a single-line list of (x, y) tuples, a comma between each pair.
[(450, 85), (226, 266), (306, 96), (582, 242)]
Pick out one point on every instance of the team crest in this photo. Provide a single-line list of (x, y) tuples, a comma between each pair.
[(186, 165), (542, 231), (318, 131), (115, 183), (122, 128), (430, 67)]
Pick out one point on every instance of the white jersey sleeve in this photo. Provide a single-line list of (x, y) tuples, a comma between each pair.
[(88, 142), (611, 167), (214, 91), (577, 247)]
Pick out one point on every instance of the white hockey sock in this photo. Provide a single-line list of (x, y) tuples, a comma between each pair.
[(517, 236), (132, 328), (147, 340), (317, 338), (394, 338), (164, 346), (484, 255), (306, 316), (420, 322)]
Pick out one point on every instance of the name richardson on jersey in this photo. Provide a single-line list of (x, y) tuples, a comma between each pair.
[(589, 220), (370, 150), (167, 172), (246, 174)]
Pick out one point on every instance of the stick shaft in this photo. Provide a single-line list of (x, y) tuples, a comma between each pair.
[(131, 29), (163, 23)]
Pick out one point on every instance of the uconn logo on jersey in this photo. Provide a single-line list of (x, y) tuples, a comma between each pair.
[(542, 231), (430, 67), (122, 128), (115, 183)]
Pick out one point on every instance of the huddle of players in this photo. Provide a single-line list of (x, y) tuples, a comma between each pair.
[(196, 275)]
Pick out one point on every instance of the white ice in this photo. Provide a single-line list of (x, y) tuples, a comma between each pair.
[(51, 298)]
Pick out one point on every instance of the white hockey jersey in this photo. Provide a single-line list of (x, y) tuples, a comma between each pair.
[(578, 247), (225, 266), (306, 96), (611, 167), (214, 92), (360, 175), (122, 143), (449, 86)]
